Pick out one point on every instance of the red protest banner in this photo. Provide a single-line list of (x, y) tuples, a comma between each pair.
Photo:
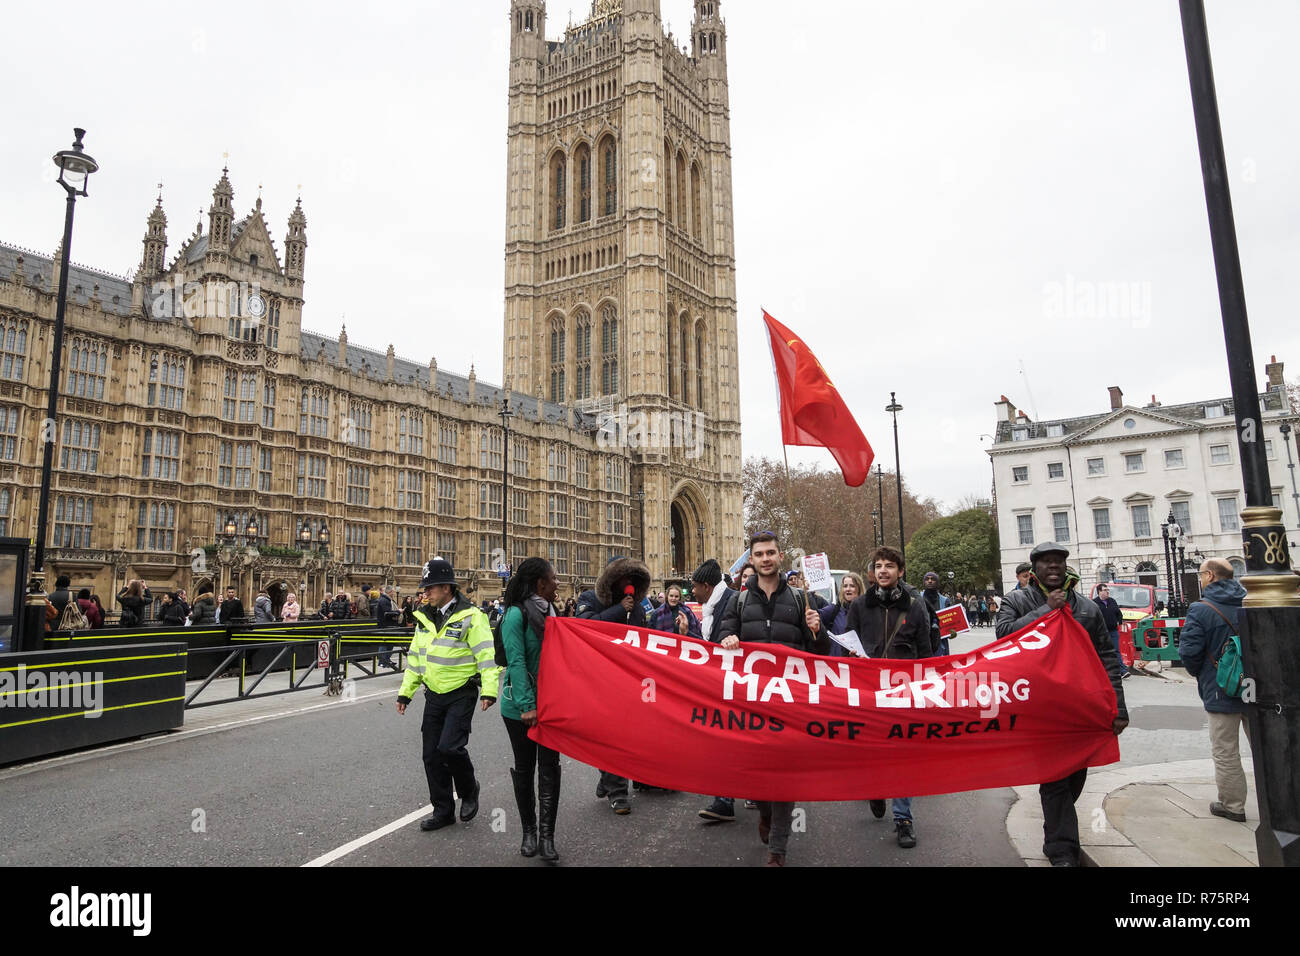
[(953, 619), (769, 723)]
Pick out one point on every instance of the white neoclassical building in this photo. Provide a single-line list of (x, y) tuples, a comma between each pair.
[(1106, 483)]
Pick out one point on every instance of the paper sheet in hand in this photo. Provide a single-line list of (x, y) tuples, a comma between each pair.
[(849, 640)]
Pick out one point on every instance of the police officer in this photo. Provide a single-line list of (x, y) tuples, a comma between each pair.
[(452, 655)]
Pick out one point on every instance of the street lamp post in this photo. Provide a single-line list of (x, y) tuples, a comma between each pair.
[(1271, 611), (75, 168), (875, 527), (505, 415), (894, 408)]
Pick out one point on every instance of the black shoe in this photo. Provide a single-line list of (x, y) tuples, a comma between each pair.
[(619, 804), (601, 791), (436, 822), (1219, 810), (528, 847), (1064, 861), (720, 810), (527, 802), (906, 834), (469, 806), (878, 809)]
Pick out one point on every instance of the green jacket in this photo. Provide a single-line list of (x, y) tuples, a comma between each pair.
[(524, 652), (447, 659)]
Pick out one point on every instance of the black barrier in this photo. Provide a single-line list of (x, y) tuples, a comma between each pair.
[(236, 661), (67, 698)]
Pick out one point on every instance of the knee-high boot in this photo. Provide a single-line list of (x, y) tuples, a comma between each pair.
[(548, 805), (527, 812)]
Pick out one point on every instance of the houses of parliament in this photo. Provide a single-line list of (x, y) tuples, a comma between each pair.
[(204, 437)]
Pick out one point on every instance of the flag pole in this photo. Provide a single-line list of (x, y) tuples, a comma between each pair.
[(789, 494)]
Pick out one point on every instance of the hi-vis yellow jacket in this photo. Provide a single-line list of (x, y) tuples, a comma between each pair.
[(447, 659)]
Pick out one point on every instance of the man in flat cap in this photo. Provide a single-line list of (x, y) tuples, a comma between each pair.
[(1052, 586)]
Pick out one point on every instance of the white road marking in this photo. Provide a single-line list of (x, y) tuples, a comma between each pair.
[(369, 838)]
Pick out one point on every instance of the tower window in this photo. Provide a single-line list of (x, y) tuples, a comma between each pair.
[(609, 160), (557, 190), (583, 160)]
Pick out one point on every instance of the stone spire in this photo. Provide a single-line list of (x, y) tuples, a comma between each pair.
[(343, 346), (155, 242), (295, 243), (391, 363), (433, 372), (221, 214)]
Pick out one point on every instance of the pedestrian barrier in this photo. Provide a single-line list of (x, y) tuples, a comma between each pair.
[(1157, 638), (66, 698), (250, 663)]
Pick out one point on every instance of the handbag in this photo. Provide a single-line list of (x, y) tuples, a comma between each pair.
[(72, 618)]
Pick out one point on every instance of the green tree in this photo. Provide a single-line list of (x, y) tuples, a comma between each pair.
[(965, 543)]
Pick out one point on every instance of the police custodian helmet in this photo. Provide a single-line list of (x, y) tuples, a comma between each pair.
[(437, 571)]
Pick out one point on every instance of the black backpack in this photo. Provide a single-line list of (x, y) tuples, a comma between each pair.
[(532, 618)]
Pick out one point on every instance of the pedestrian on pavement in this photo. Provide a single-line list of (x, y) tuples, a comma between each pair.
[(894, 623), (231, 610), (89, 608), (529, 601), (134, 600), (1211, 621), (263, 613), (172, 611), (674, 617), (62, 593), (1052, 586), (1114, 618), (936, 602), (340, 608), (617, 597), (292, 610), (453, 658), (771, 612), (715, 599), (386, 615), (204, 610)]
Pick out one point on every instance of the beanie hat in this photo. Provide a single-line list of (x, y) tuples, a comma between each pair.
[(710, 573)]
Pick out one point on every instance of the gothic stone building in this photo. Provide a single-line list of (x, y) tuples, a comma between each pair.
[(204, 437)]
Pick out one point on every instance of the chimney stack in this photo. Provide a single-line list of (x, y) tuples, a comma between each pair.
[(1116, 398), (1274, 372), (1006, 411)]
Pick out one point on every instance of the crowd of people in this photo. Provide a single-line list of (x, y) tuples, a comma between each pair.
[(454, 659)]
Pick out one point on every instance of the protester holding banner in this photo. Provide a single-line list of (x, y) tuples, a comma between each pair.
[(835, 617), (621, 588), (1052, 586), (797, 580), (936, 602), (529, 602), (770, 612), (674, 616), (894, 622)]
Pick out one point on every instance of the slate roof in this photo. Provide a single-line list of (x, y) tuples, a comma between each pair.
[(38, 270)]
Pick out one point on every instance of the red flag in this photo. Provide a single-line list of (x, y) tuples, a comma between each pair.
[(771, 723), (812, 411)]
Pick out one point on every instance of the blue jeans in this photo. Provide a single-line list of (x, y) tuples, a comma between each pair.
[(902, 807), (1114, 637)]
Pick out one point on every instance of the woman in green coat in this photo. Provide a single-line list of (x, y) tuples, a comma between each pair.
[(528, 603)]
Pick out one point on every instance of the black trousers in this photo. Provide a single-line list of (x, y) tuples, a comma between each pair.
[(1060, 822), (614, 785), (446, 728), (528, 754)]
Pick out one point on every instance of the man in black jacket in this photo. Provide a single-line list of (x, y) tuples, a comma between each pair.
[(1051, 587), (893, 622), (232, 609), (1110, 610), (617, 598), (61, 594), (771, 612)]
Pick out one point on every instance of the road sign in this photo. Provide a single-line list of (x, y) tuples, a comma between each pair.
[(322, 654)]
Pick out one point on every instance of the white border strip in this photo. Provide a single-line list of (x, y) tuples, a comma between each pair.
[(369, 838)]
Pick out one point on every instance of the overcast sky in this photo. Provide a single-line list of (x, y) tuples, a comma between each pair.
[(945, 199)]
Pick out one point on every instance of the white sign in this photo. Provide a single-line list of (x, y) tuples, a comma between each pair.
[(817, 573), (322, 654), (850, 641)]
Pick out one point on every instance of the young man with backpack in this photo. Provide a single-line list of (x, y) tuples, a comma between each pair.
[(1208, 647), (771, 612)]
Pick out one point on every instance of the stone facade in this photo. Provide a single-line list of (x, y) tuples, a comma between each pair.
[(193, 399)]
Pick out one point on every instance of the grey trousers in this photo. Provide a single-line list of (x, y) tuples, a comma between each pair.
[(1225, 747), (782, 816)]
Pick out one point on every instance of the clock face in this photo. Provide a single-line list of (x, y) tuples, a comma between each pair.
[(256, 306)]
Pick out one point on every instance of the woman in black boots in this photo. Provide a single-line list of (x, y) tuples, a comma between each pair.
[(528, 604)]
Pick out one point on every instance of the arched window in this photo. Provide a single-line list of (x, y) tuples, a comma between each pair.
[(672, 354), (697, 221), (558, 363), (582, 160), (609, 351), (13, 348), (681, 193), (684, 355), (166, 381), (87, 369), (699, 365), (609, 166), (582, 352), (557, 190), (667, 174)]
